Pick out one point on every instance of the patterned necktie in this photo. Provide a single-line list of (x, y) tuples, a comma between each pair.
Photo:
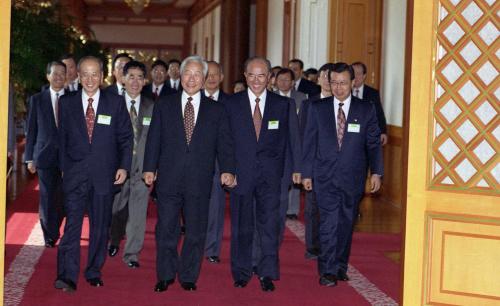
[(90, 119), (123, 91), (340, 125), (189, 119), (133, 118), (211, 97), (257, 118), (56, 109)]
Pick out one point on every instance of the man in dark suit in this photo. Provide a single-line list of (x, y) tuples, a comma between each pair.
[(95, 143), (261, 127), (42, 149), (134, 194), (72, 82), (157, 88), (188, 133), (311, 213), (290, 193), (217, 205), (302, 84), (119, 62), (341, 141), (370, 95), (174, 82)]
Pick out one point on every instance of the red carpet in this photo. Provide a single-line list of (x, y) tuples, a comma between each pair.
[(125, 286)]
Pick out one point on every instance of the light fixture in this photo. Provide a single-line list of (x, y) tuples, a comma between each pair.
[(137, 5)]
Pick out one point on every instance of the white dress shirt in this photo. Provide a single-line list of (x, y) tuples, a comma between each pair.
[(195, 102), (215, 95), (120, 87), (137, 104), (288, 95), (262, 102), (359, 90), (95, 103), (154, 87), (73, 85), (53, 99), (345, 108), (297, 84), (174, 84)]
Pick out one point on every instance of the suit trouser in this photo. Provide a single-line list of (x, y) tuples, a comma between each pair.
[(294, 200), (168, 261), (337, 212), (244, 221), (311, 216), (51, 202), (134, 197), (77, 201), (216, 211)]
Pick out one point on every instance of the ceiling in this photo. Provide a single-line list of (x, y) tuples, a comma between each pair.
[(170, 3)]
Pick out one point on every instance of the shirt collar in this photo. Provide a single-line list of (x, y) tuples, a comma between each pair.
[(215, 94), (86, 97), (252, 96), (196, 97)]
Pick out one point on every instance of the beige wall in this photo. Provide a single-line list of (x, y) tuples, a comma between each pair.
[(393, 60), (207, 28), (275, 32), (139, 34)]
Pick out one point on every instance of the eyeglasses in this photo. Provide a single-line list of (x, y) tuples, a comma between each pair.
[(260, 77)]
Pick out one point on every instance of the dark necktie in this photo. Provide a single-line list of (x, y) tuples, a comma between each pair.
[(257, 118), (155, 94), (211, 97), (340, 125), (356, 93), (90, 119), (123, 91), (133, 118), (189, 119)]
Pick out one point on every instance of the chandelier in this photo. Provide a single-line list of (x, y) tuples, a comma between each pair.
[(137, 5)]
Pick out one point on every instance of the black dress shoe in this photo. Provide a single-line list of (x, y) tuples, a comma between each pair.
[(95, 282), (213, 259), (163, 285), (113, 250), (240, 283), (292, 217), (266, 284), (50, 243), (328, 280), (342, 276), (311, 254), (65, 284), (183, 230), (133, 264), (188, 286)]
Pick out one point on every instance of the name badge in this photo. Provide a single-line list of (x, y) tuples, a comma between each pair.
[(353, 128), (273, 125), (104, 119), (146, 121)]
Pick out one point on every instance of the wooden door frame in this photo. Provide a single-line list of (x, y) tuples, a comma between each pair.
[(334, 7)]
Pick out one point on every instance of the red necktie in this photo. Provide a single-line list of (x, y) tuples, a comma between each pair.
[(189, 119), (90, 119), (340, 125), (257, 118)]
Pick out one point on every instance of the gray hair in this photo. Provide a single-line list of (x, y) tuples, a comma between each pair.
[(90, 58), (257, 59), (197, 59)]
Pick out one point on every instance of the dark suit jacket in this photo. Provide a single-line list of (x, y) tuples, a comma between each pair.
[(113, 88), (179, 165), (167, 84), (303, 113), (309, 87), (372, 95), (267, 156), (42, 145), (111, 147), (165, 91), (345, 168), (222, 96)]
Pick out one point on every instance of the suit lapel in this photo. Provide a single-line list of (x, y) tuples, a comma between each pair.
[(200, 120), (48, 110), (245, 104), (79, 113), (352, 117), (268, 114), (145, 105), (177, 116), (331, 119)]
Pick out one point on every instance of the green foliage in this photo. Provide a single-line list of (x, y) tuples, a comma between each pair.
[(37, 37)]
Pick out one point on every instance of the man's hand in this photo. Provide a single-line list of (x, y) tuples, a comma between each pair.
[(308, 184), (120, 177), (375, 183), (31, 167), (383, 139), (228, 180), (296, 178), (149, 178)]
